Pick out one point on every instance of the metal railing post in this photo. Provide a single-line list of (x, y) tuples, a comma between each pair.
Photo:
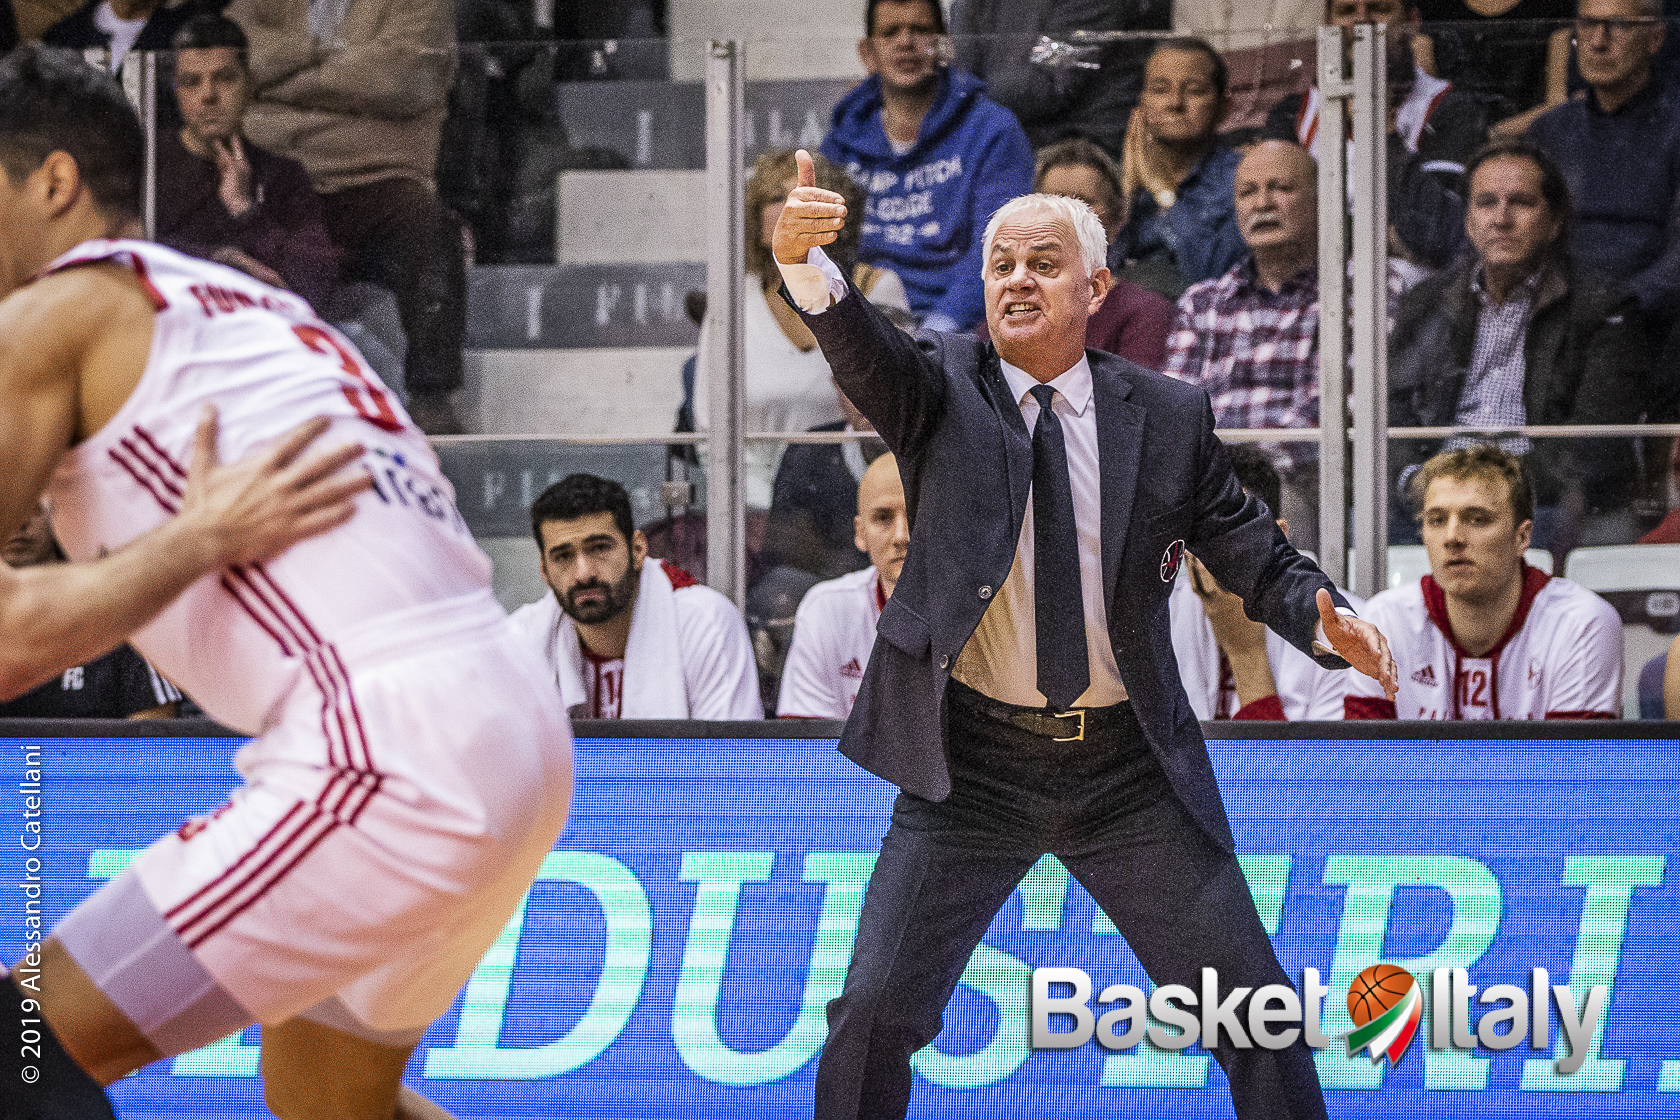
[(1370, 311), (725, 356), (1333, 88)]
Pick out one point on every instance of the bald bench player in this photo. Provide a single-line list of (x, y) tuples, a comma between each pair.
[(834, 628), (384, 830)]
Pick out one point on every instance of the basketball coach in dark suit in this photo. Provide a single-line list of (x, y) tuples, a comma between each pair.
[(1022, 692)]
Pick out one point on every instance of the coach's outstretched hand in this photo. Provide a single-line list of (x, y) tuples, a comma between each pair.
[(812, 217), (270, 500), (1360, 643)]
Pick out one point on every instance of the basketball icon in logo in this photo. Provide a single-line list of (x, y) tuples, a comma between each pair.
[(1170, 559), (1385, 1005)]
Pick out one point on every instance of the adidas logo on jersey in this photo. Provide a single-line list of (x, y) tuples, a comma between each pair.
[(1425, 675), (852, 669)]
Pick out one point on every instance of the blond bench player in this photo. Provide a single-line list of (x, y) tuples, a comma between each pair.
[(1484, 635), (384, 830)]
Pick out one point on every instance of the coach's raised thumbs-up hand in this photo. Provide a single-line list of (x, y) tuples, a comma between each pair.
[(812, 217)]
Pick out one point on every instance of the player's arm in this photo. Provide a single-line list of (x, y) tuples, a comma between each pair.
[(59, 615), (717, 656)]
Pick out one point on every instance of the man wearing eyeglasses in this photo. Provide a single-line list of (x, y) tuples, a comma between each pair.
[(1619, 150)]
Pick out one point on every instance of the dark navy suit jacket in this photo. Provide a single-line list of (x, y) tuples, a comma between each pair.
[(941, 404)]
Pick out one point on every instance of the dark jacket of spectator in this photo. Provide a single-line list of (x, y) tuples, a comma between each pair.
[(812, 505), (1502, 59), (1585, 362), (78, 31), (1025, 52), (1623, 171), (8, 27), (1197, 236), (1425, 195), (927, 209), (285, 229)]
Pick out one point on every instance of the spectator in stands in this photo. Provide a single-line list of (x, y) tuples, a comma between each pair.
[(624, 637), (1133, 321), (1232, 666), (1026, 53), (1182, 229), (120, 26), (1250, 337), (222, 197), (934, 155), (1432, 130), (814, 504), (835, 627), (1518, 334), (1484, 635), (119, 685), (1513, 55), (788, 384), (357, 91), (1619, 150)]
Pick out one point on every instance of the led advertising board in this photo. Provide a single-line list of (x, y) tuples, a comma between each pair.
[(674, 957)]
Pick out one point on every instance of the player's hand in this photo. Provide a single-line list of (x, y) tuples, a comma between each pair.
[(1359, 643), (234, 257), (812, 217), (234, 172), (1236, 633), (268, 501)]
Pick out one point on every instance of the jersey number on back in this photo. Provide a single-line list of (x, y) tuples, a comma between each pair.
[(365, 395)]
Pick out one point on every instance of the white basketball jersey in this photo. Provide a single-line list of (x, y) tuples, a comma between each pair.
[(833, 633), (238, 641), (1561, 657)]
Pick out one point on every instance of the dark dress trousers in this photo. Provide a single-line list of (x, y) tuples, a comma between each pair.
[(1133, 810)]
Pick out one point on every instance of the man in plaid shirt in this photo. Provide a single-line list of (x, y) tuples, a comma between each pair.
[(1250, 337)]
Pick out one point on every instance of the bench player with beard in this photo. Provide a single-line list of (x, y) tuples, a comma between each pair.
[(383, 831)]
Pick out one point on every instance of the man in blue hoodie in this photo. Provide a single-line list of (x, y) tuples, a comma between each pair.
[(934, 155)]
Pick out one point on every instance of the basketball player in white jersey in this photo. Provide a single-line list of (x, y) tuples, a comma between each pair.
[(1484, 635), (384, 830), (834, 628)]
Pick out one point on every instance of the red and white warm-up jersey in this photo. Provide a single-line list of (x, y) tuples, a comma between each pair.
[(238, 641), (833, 632), (1305, 689), (1561, 657)]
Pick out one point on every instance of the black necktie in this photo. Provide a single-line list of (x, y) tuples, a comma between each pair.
[(1063, 672)]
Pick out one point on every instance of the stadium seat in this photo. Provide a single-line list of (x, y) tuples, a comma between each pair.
[(1642, 581)]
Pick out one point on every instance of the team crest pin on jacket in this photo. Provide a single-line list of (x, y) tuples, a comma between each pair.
[(1170, 560)]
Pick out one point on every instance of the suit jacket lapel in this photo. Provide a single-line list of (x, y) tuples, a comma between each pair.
[(1119, 448), (1017, 441)]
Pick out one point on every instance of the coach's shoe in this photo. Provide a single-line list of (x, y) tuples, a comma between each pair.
[(435, 414)]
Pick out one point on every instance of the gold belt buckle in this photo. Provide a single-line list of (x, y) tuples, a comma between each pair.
[(1075, 738)]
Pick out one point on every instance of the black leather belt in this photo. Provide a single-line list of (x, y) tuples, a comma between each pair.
[(1060, 727)]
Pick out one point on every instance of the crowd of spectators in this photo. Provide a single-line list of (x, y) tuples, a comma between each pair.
[(1533, 217)]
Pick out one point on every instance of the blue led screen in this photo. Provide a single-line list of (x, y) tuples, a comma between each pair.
[(674, 957)]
